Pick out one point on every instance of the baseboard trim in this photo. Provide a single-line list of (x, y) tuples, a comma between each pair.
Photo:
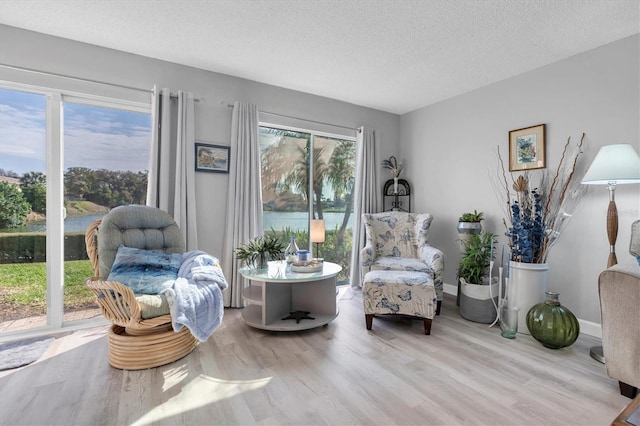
[(589, 328), (450, 289)]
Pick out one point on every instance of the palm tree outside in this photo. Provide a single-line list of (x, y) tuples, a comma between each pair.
[(287, 158)]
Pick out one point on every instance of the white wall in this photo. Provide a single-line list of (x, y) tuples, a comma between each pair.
[(213, 118), (449, 149)]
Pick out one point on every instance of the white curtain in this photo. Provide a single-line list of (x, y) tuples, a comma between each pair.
[(366, 194), (244, 197), (171, 184)]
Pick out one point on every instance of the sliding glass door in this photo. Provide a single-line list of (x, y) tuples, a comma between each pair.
[(65, 160), (308, 175)]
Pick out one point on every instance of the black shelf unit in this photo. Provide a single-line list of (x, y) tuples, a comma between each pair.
[(398, 201)]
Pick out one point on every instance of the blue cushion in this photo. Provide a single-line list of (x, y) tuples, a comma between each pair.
[(638, 259), (145, 271)]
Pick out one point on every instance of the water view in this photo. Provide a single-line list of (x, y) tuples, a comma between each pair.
[(275, 220), (300, 220)]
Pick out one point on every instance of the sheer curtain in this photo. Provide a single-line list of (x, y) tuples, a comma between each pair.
[(171, 185), (244, 197), (366, 194)]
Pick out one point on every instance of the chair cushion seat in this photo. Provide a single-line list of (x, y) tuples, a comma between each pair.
[(390, 263), (152, 305), (399, 292)]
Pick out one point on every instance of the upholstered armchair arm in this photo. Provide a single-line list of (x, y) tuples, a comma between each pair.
[(367, 257), (434, 258), (619, 290), (119, 305)]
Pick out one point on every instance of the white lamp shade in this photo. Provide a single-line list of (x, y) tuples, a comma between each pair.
[(614, 164), (317, 231)]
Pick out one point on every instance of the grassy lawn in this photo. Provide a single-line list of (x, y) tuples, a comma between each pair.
[(25, 284)]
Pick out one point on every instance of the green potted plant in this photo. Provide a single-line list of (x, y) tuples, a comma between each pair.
[(469, 223), (258, 251), (478, 292)]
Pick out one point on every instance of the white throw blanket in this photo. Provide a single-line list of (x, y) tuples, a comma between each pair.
[(195, 299)]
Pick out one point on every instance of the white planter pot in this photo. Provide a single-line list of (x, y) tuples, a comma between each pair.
[(526, 287), (477, 302)]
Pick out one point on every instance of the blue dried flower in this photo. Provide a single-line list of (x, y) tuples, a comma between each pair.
[(527, 230)]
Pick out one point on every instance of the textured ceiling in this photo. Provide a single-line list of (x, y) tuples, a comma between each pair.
[(391, 55)]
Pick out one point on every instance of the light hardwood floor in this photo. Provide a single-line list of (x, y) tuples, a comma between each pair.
[(463, 373)]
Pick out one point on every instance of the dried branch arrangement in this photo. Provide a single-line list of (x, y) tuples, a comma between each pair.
[(539, 204)]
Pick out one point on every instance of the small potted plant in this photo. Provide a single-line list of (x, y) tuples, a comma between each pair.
[(258, 251), (478, 292), (469, 223)]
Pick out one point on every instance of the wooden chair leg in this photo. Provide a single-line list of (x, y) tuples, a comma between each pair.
[(627, 390), (427, 326), (438, 305), (369, 320)]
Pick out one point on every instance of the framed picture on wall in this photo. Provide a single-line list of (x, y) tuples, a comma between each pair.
[(527, 148), (212, 158)]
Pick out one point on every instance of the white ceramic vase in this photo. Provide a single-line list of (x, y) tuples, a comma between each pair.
[(526, 288)]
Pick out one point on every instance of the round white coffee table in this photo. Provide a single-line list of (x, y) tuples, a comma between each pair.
[(275, 293)]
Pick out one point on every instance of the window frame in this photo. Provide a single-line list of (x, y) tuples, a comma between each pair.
[(57, 92), (313, 134)]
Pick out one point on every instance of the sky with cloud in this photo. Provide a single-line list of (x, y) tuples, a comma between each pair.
[(94, 137)]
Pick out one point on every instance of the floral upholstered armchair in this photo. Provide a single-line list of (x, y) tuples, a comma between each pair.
[(397, 241)]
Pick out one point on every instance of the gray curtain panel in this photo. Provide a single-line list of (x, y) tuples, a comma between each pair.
[(244, 196), (366, 195), (171, 184)]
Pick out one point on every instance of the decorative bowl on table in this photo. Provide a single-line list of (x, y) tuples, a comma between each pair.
[(314, 265)]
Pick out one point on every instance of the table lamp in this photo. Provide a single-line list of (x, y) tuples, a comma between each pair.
[(614, 165), (317, 233)]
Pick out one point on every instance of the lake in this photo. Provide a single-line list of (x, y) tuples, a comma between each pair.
[(71, 224), (275, 220), (299, 220)]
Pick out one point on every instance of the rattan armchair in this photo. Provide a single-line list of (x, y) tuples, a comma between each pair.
[(135, 342)]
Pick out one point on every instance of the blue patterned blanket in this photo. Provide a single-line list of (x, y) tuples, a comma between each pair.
[(195, 299)]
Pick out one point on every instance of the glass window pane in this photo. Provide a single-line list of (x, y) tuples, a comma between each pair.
[(285, 184), (334, 171), (106, 157), (23, 302)]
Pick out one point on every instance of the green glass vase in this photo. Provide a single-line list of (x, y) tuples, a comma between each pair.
[(552, 324)]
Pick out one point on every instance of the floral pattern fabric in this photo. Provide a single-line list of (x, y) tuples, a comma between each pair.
[(397, 241), (399, 292)]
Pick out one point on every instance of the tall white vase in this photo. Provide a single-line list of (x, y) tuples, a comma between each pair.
[(527, 286)]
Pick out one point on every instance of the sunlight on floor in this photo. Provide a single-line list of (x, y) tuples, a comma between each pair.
[(201, 391)]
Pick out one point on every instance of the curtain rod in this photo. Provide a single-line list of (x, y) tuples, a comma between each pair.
[(203, 100), (88, 80), (300, 118), (75, 78)]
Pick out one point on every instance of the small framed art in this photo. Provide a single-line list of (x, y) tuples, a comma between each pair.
[(527, 148), (212, 158)]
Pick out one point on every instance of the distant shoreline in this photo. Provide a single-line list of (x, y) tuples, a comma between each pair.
[(74, 209)]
